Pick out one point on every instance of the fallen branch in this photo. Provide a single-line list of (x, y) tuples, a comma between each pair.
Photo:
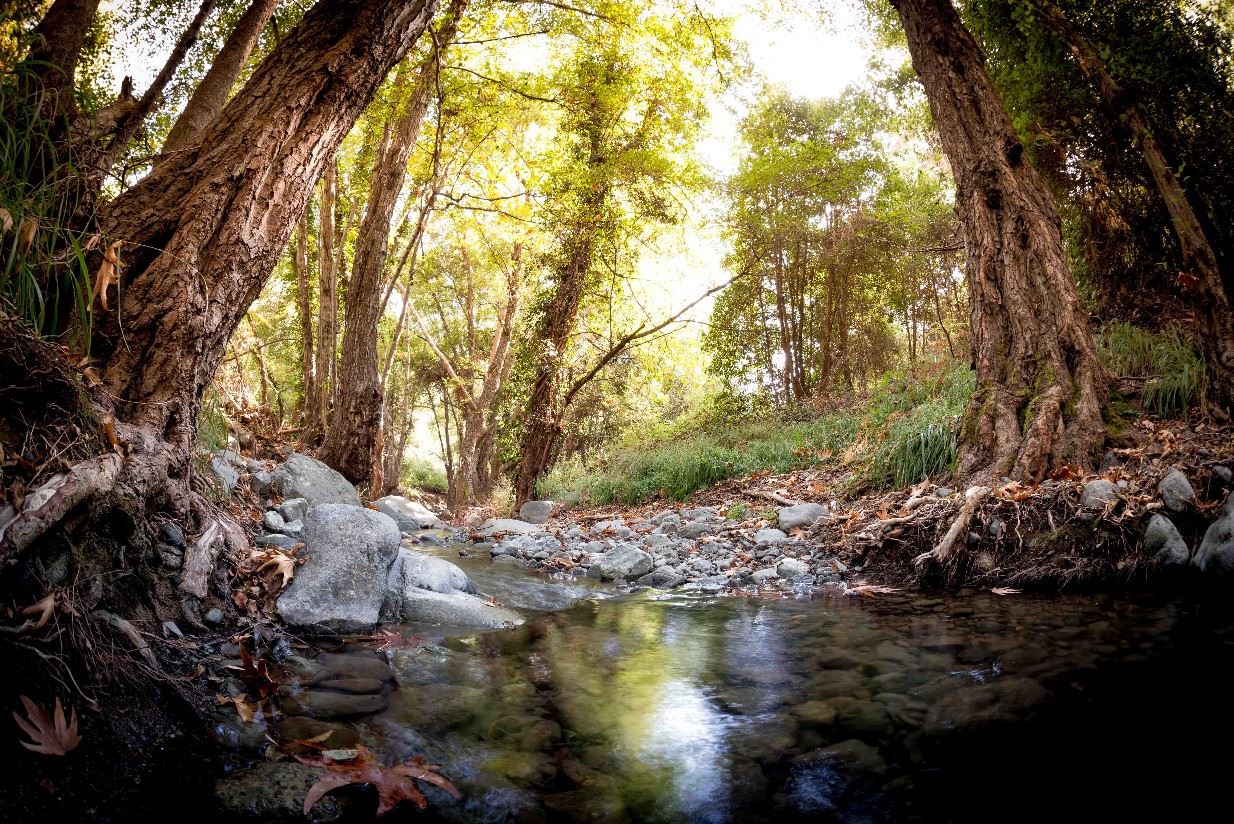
[(972, 499), (132, 634), (52, 501), (774, 497)]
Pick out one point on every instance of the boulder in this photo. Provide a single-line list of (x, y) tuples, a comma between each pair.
[(293, 509), (225, 476), (769, 535), (1176, 491), (1162, 541), (409, 515), (261, 482), (420, 571), (625, 561), (274, 791), (509, 525), (303, 477), (1216, 552), (801, 515), (765, 575), (341, 587), (272, 521), (327, 705), (1097, 494), (793, 568), (452, 609), (535, 512)]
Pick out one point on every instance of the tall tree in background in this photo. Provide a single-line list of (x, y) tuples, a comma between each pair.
[(352, 433), (1040, 386)]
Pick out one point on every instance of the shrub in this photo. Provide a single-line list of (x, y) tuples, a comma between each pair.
[(1176, 376)]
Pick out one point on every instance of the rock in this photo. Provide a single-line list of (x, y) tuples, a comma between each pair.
[(409, 515), (293, 509), (214, 616), (510, 525), (172, 534), (768, 535), (857, 754), (334, 665), (452, 609), (300, 728), (801, 515), (293, 528), (1176, 491), (277, 539), (226, 476), (765, 575), (818, 713), (327, 705), (1162, 541), (341, 587), (696, 529), (625, 561), (1223, 474), (355, 686), (793, 568), (420, 571), (535, 512), (1216, 552), (1097, 494), (661, 579), (974, 708), (261, 482), (273, 521), (303, 477), (273, 791), (944, 492)]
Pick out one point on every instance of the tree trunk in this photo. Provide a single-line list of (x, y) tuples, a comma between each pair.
[(1040, 387), (211, 93), (356, 422), (327, 297), (308, 391), (1206, 287), (207, 226)]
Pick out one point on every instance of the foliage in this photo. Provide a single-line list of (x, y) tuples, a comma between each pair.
[(1176, 376), (47, 736), (419, 473)]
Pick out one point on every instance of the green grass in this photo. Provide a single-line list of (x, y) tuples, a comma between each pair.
[(1177, 378), (907, 432), (421, 474)]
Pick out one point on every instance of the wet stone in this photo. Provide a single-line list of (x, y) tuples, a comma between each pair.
[(328, 705), (356, 686), (344, 665), (274, 791)]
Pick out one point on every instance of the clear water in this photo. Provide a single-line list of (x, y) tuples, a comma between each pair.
[(975, 707)]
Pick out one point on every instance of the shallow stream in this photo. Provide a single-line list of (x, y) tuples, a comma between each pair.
[(974, 707)]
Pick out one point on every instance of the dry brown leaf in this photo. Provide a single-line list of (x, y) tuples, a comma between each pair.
[(1005, 591), (47, 736), (107, 274), (25, 234), (44, 608), (359, 766), (1014, 491), (284, 565), (868, 590), (6, 220)]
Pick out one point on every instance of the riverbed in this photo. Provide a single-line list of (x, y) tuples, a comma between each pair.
[(611, 705)]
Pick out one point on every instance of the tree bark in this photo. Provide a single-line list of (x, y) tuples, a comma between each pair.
[(1040, 387), (327, 295), (308, 391), (211, 93), (1206, 287), (356, 423), (207, 226)]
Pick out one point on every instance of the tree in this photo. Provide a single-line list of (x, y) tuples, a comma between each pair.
[(211, 93), (352, 433), (1040, 387)]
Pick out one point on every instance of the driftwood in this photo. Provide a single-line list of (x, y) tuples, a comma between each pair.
[(774, 497), (972, 499), (52, 501), (199, 561)]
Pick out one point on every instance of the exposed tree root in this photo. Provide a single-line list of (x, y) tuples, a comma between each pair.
[(941, 553)]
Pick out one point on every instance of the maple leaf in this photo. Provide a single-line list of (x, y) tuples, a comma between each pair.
[(1005, 591), (49, 737), (283, 563), (393, 784), (255, 674), (866, 590)]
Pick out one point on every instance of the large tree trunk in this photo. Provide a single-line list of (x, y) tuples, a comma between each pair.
[(1205, 289), (1040, 387), (207, 226), (308, 391), (327, 294), (352, 433), (211, 93)]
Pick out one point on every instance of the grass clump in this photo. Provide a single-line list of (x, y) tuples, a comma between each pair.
[(1176, 378)]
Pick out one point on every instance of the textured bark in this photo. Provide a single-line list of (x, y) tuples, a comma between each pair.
[(211, 93), (308, 391), (1040, 387), (1206, 289), (58, 39), (352, 434), (327, 295), (207, 226)]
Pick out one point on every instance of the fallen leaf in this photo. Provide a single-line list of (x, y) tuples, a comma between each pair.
[(393, 784), (49, 737), (1005, 591), (6, 220), (107, 274), (284, 565), (44, 609), (25, 234), (868, 590)]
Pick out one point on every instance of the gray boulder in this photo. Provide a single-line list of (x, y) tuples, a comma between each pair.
[(303, 477), (273, 521), (625, 561), (801, 515), (225, 476), (420, 571), (274, 791), (511, 525), (1097, 494), (409, 515), (341, 587), (261, 482), (1163, 542), (793, 568), (1216, 552), (769, 536), (293, 509), (453, 609), (1176, 491), (535, 512), (762, 576)]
